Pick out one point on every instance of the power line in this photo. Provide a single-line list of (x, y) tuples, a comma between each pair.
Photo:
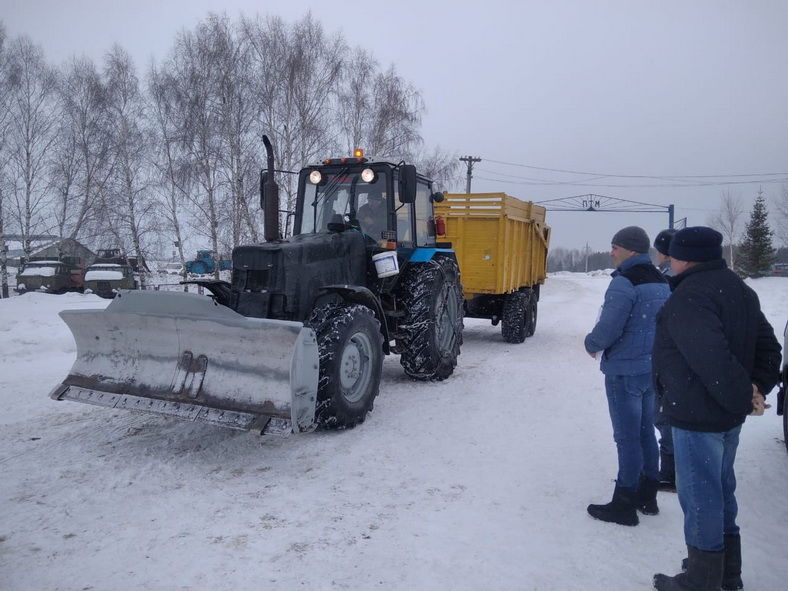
[(664, 185), (639, 176)]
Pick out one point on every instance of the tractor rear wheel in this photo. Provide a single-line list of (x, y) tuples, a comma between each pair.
[(516, 311), (351, 360), (429, 337)]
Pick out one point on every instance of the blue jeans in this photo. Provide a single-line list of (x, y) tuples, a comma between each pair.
[(630, 400), (706, 483)]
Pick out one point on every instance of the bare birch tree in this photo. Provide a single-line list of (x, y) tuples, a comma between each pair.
[(396, 115), (84, 110), (378, 111), (129, 145), (443, 168), (239, 114), (728, 219), (32, 85), (297, 69), (4, 122), (173, 172), (194, 71)]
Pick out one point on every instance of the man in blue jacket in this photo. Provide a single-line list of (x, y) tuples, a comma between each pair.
[(624, 335), (715, 358)]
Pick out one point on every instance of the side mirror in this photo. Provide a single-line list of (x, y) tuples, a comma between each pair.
[(407, 183), (437, 197)]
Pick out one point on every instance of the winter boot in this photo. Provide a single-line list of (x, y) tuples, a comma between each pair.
[(647, 496), (620, 510), (731, 572), (667, 473), (704, 573)]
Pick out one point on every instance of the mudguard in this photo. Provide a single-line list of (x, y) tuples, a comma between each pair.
[(186, 356)]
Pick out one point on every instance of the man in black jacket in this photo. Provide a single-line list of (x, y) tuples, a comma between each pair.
[(715, 358)]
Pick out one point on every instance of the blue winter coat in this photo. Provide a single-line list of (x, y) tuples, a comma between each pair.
[(626, 326)]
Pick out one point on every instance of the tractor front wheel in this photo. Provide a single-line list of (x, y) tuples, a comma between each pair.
[(351, 360), (429, 337)]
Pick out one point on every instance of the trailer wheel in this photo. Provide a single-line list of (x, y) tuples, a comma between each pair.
[(430, 335), (531, 313), (516, 314), (351, 359)]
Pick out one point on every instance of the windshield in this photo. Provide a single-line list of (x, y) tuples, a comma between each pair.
[(338, 199)]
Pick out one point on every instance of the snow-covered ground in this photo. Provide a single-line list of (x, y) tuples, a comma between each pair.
[(478, 482)]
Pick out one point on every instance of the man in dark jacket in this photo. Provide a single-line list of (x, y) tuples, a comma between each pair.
[(715, 358), (624, 334), (667, 471)]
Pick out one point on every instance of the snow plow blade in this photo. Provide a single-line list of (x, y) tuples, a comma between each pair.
[(183, 355)]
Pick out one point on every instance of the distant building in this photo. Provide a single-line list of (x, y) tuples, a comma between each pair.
[(50, 248)]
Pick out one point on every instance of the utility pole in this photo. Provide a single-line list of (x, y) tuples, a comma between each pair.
[(469, 160)]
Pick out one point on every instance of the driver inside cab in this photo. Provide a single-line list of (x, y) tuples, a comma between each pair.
[(372, 215)]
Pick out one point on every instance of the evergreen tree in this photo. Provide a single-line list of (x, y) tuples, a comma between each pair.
[(756, 254)]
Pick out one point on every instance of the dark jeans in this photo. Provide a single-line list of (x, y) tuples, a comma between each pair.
[(662, 423), (630, 400), (706, 483)]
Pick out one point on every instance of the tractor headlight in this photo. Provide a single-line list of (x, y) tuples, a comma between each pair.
[(368, 175), (315, 177)]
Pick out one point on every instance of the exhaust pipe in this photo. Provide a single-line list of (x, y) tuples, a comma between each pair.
[(269, 197)]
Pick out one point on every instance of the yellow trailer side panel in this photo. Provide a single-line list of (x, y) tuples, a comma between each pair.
[(501, 242)]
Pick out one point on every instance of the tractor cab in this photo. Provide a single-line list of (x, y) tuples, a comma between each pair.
[(390, 204)]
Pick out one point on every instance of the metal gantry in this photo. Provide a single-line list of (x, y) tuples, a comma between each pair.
[(592, 202)]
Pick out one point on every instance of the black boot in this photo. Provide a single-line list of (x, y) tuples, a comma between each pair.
[(647, 496), (704, 573), (667, 473), (731, 572), (620, 510)]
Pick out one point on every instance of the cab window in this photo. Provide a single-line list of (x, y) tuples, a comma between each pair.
[(404, 234), (425, 227)]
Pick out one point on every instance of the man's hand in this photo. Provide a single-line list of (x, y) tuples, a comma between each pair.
[(758, 402)]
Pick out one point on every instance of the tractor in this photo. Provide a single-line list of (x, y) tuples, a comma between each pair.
[(296, 340)]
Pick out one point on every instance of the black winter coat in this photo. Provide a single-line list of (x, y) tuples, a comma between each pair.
[(712, 343)]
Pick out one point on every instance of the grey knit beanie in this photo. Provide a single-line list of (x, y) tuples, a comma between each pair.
[(632, 238)]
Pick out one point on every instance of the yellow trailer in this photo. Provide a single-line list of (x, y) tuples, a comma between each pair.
[(501, 244)]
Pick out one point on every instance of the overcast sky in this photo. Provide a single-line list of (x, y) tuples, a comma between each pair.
[(618, 88)]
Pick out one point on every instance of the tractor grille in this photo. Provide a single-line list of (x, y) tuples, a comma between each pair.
[(254, 280)]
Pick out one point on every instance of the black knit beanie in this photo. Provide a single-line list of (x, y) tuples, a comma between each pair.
[(662, 241), (632, 238), (697, 244)]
